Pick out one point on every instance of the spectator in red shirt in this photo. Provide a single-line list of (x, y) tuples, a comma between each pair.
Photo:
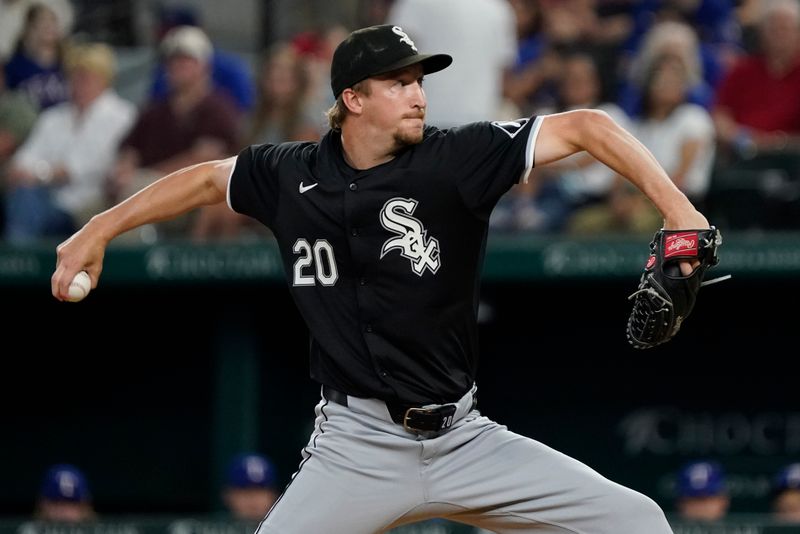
[(757, 105)]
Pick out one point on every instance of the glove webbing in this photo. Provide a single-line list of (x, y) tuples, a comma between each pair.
[(649, 313)]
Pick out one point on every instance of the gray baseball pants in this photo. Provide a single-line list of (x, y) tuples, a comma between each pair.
[(361, 473)]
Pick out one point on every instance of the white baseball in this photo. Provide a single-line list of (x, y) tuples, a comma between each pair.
[(79, 287)]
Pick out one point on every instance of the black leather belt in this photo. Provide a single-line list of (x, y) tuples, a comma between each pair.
[(413, 417)]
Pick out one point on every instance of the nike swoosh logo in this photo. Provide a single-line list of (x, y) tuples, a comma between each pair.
[(304, 188)]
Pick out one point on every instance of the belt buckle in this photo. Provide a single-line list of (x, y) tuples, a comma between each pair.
[(409, 413)]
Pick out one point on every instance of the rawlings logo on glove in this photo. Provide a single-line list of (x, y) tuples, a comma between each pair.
[(665, 297), (685, 243)]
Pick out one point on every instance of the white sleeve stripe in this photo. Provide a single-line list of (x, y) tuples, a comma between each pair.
[(230, 177), (530, 148)]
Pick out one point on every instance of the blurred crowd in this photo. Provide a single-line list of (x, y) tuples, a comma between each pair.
[(701, 494), (247, 492), (711, 87)]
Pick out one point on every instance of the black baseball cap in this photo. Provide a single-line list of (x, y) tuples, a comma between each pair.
[(377, 50)]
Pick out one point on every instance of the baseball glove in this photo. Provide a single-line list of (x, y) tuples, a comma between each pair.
[(665, 297)]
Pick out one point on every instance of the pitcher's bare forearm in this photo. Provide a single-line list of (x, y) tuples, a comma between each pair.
[(564, 134), (622, 152), (167, 198)]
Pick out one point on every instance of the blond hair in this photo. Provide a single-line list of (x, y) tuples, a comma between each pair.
[(337, 113), (94, 57)]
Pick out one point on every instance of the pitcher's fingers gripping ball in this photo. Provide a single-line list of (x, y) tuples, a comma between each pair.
[(666, 297), (79, 287)]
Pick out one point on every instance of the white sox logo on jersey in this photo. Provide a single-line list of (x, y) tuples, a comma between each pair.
[(404, 38), (413, 242)]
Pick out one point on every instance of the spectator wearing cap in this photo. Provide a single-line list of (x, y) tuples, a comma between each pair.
[(702, 492), (195, 123), (229, 72), (786, 494), (64, 496), (249, 490)]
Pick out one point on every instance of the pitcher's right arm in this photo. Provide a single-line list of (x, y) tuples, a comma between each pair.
[(175, 194)]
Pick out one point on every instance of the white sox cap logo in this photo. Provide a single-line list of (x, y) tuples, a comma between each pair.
[(404, 38), (413, 243)]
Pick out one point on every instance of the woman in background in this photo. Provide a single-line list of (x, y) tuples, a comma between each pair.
[(36, 67), (280, 115), (680, 135)]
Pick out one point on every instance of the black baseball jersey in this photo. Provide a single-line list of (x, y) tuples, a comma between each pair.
[(384, 263)]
